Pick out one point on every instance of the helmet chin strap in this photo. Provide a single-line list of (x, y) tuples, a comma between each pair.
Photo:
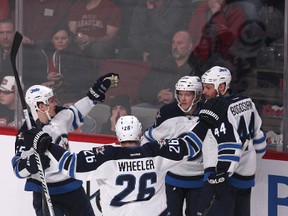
[(192, 104), (35, 114), (48, 115), (185, 111)]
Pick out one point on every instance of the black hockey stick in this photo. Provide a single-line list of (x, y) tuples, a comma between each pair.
[(14, 50)]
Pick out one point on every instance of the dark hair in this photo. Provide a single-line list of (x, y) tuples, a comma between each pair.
[(60, 27), (121, 100), (8, 20)]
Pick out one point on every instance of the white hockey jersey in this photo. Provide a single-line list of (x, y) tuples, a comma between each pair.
[(172, 122), (240, 139), (131, 179), (58, 128)]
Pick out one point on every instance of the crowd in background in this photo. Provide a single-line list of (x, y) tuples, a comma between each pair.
[(66, 41)]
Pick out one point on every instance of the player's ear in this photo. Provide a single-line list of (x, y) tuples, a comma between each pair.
[(42, 107), (221, 88)]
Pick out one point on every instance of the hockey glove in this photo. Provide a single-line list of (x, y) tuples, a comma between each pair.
[(98, 90), (213, 110), (38, 139), (219, 181), (217, 178), (31, 164)]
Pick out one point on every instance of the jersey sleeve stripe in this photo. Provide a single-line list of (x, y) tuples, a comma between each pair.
[(16, 160), (72, 166), (260, 140), (62, 160), (194, 143), (150, 136), (192, 152), (260, 151), (229, 146), (78, 117), (231, 158)]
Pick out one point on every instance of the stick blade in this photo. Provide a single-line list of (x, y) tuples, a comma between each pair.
[(13, 54), (15, 46)]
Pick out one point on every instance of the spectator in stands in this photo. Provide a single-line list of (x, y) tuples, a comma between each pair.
[(95, 24), (215, 25), (157, 88), (7, 101), (40, 16), (4, 9), (152, 27), (33, 67), (120, 106), (126, 8), (6, 40), (66, 65)]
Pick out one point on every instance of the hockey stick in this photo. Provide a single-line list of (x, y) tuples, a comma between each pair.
[(205, 213), (246, 143), (14, 50)]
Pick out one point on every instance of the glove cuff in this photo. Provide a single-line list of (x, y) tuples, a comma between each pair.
[(93, 93)]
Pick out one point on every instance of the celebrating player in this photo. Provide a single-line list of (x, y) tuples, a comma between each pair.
[(67, 194), (185, 181), (236, 125), (131, 177)]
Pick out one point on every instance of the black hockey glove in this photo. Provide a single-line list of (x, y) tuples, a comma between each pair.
[(31, 164), (219, 181), (98, 90), (213, 110), (38, 139), (217, 178)]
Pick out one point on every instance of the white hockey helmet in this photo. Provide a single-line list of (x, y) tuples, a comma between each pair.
[(217, 75), (36, 94), (128, 128), (189, 83)]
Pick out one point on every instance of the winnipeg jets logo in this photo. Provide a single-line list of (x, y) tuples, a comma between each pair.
[(99, 150), (63, 141), (162, 143), (20, 136), (158, 114)]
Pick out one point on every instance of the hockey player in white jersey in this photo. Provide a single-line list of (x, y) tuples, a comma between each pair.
[(236, 125), (184, 182), (67, 194), (131, 177)]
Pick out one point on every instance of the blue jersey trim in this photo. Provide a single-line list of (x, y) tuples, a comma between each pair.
[(61, 189), (63, 159), (150, 136), (72, 166), (230, 158), (230, 146), (184, 184), (195, 138), (241, 183), (261, 151), (259, 141)]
